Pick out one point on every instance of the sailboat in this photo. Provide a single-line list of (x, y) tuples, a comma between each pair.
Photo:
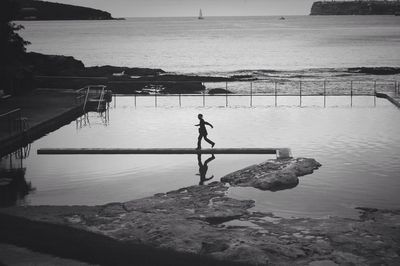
[(200, 15)]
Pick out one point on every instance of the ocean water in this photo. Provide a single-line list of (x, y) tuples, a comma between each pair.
[(218, 45)]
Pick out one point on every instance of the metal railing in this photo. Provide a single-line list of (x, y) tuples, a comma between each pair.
[(273, 88), (91, 93), (12, 123)]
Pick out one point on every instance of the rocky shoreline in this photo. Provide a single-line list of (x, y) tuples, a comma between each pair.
[(66, 72), (204, 221)]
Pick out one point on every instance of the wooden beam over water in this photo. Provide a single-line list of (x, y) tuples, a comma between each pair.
[(280, 152)]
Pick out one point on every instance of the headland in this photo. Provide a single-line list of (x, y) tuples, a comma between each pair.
[(43, 10), (355, 8)]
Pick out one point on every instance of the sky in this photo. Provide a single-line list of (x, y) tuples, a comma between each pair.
[(187, 8)]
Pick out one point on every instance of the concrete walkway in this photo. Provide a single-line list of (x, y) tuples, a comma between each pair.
[(45, 110)]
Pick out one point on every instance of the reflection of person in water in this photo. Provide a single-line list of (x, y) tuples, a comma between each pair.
[(203, 168), (203, 132)]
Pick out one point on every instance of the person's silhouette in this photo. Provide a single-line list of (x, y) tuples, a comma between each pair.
[(203, 169), (203, 132)]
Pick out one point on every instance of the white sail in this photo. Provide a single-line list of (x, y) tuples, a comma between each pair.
[(201, 15)]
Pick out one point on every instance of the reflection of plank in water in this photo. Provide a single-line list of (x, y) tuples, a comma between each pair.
[(280, 152)]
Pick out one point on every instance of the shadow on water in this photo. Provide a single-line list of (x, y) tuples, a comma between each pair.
[(13, 185), (203, 167)]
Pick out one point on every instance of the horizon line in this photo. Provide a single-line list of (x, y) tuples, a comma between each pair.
[(214, 16)]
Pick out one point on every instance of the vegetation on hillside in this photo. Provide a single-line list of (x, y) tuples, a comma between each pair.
[(42, 10), (15, 76)]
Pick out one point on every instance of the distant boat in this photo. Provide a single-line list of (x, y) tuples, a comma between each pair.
[(200, 15), (282, 18)]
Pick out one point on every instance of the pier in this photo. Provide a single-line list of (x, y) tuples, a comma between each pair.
[(281, 153)]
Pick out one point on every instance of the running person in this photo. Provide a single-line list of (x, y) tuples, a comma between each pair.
[(203, 132)]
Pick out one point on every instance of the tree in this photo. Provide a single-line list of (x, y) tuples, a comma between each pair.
[(15, 76)]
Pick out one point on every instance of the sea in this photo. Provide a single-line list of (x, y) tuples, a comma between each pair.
[(225, 45)]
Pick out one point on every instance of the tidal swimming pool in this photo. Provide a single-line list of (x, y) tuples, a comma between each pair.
[(358, 147)]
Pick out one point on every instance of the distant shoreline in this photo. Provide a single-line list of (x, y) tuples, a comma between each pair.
[(42, 10)]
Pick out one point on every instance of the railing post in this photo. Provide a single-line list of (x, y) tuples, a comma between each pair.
[(300, 91), (226, 94), (276, 94), (395, 88), (351, 93), (204, 98), (135, 98), (251, 93), (324, 93), (155, 99), (180, 100), (375, 93)]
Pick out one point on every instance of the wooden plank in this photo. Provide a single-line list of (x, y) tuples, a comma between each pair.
[(53, 151)]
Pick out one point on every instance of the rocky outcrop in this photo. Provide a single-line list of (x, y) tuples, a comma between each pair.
[(202, 220), (355, 8), (60, 65), (205, 222), (42, 10), (272, 175), (53, 65), (57, 71), (218, 91), (375, 70)]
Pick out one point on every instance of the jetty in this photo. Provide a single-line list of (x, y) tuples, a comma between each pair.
[(281, 153)]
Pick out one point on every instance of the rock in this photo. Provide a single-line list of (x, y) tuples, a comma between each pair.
[(375, 70), (53, 65), (213, 246), (322, 263), (272, 175), (206, 203), (218, 91), (346, 258), (244, 253), (109, 71)]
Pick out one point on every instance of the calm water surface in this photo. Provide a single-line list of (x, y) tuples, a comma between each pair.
[(358, 147), (221, 44)]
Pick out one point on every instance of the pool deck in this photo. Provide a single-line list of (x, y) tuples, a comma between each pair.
[(44, 110)]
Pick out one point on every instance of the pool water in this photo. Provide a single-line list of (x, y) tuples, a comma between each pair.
[(358, 147)]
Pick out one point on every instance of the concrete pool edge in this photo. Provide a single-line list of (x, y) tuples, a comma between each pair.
[(204, 221), (392, 97), (35, 132)]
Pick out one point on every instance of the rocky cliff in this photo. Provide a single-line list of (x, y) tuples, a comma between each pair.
[(42, 10), (355, 8)]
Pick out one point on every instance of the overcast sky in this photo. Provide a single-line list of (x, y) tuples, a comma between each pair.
[(177, 8)]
